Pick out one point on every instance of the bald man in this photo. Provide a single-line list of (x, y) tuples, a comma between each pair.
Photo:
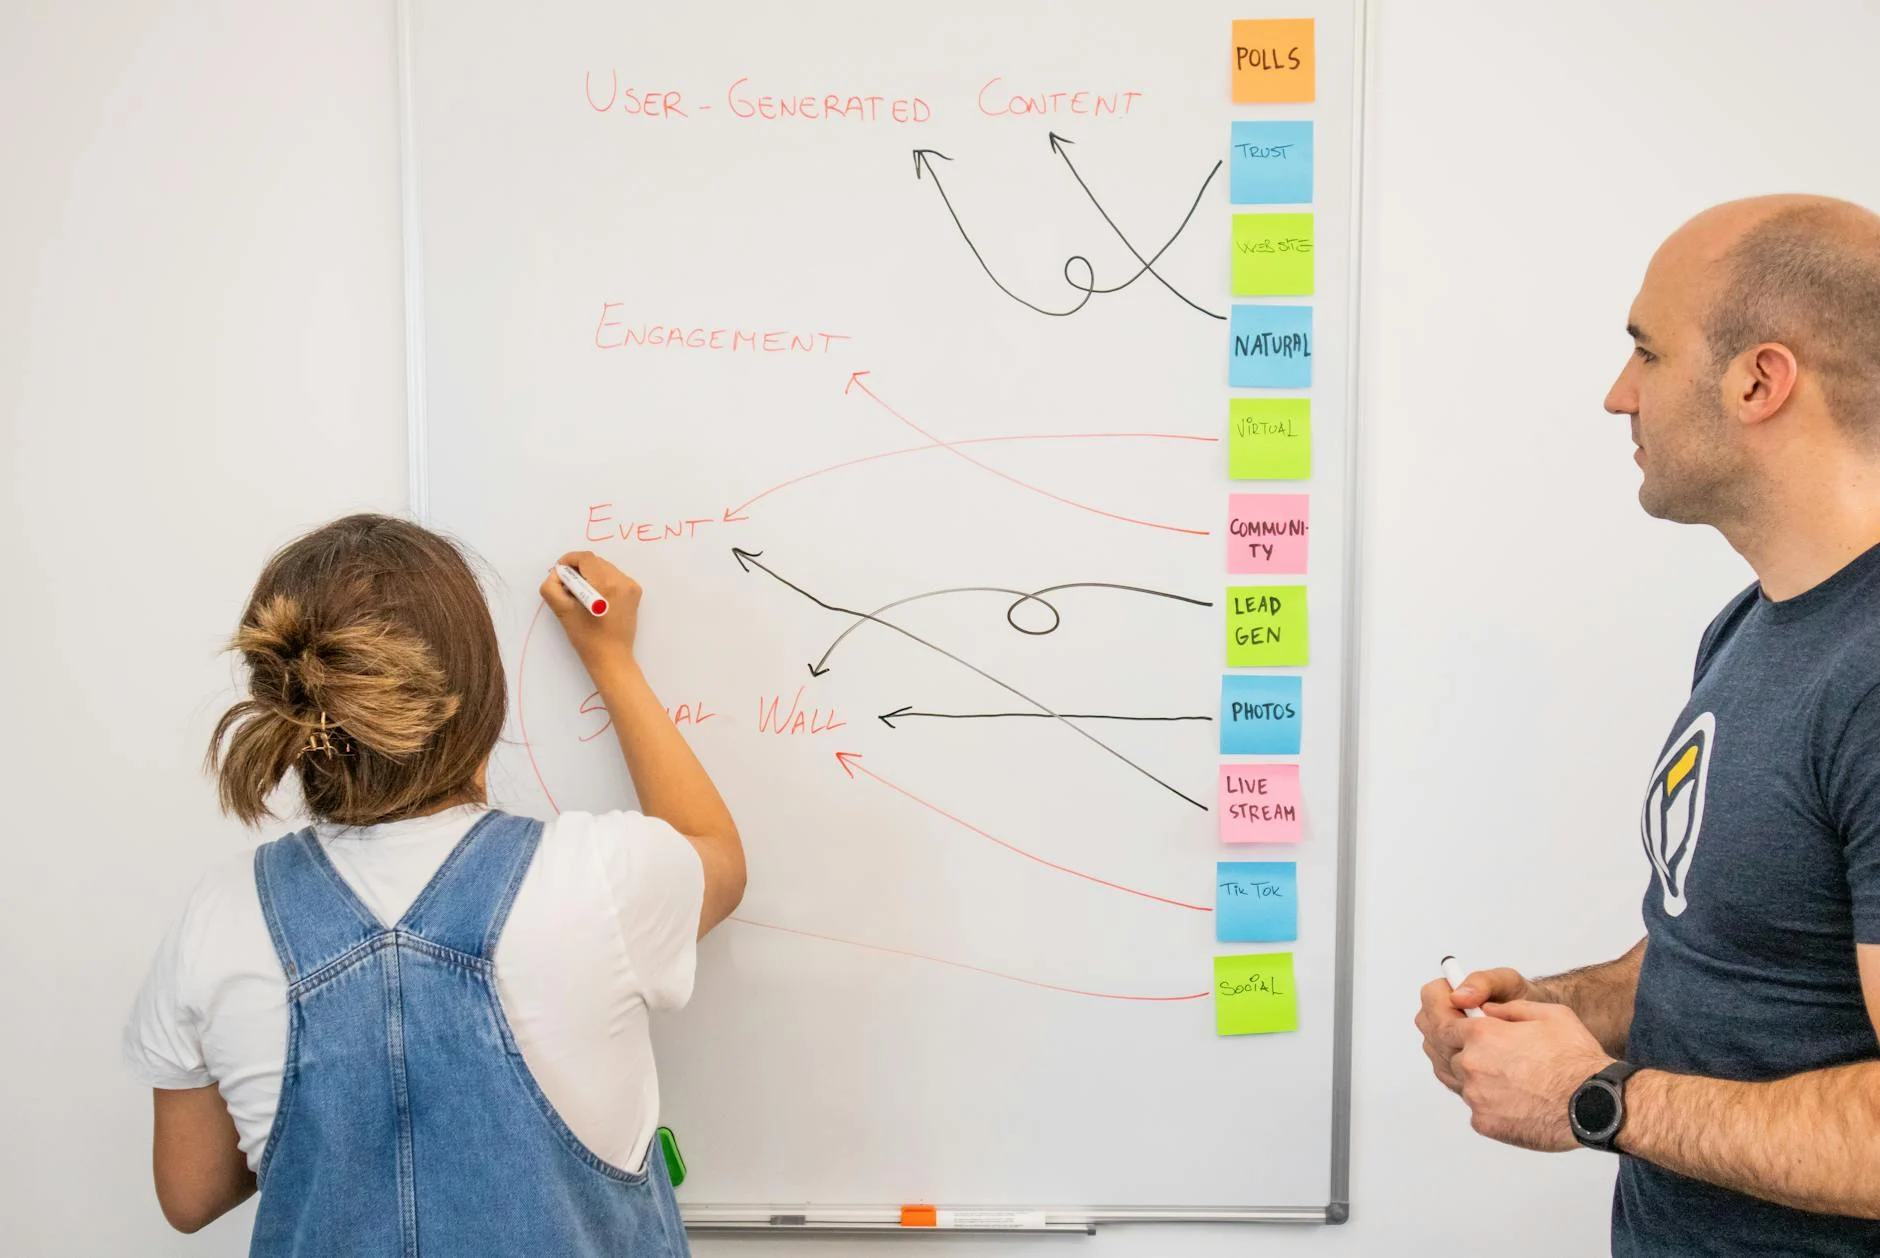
[(1731, 1058)]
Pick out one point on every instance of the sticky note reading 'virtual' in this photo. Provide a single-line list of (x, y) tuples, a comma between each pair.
[(1260, 803), (1272, 255), (1269, 438), (1270, 347), (1260, 714), (1270, 163), (1266, 626), (1255, 995), (1256, 902), (1274, 61), (1267, 532)]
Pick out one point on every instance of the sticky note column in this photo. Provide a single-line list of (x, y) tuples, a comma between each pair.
[(1273, 277)]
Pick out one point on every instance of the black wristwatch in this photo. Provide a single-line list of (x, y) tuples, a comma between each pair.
[(1597, 1110)]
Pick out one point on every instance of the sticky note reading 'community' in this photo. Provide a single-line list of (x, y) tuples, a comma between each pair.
[(1267, 532)]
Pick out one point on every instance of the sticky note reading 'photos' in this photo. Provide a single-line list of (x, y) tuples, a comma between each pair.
[(1266, 626), (1274, 61), (1260, 714), (1255, 995), (1269, 438), (1267, 532), (1260, 803), (1270, 347), (1256, 902), (1270, 163), (1272, 255)]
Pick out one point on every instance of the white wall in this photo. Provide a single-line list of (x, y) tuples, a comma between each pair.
[(200, 278)]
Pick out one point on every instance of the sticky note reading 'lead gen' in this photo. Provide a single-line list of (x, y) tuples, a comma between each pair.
[(1256, 901), (1260, 803), (1269, 438), (1267, 532), (1274, 61), (1270, 347), (1255, 995), (1272, 255), (1260, 714), (1270, 163), (1266, 626)]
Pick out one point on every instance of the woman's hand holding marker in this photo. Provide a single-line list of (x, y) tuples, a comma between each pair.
[(598, 636)]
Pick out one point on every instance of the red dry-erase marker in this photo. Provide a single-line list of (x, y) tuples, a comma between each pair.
[(576, 585)]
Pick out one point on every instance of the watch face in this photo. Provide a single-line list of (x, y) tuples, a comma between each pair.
[(1596, 1109)]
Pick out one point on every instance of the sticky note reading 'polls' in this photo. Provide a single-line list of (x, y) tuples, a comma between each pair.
[(1260, 803), (1267, 532), (1274, 61), (1269, 438), (1260, 714), (1256, 902), (1270, 163), (1272, 255), (1254, 995), (1270, 347), (1266, 626)]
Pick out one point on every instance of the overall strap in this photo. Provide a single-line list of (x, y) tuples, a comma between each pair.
[(312, 915), (467, 902)]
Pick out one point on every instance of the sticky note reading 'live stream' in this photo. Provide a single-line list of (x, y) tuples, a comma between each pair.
[(1256, 902), (1266, 626), (1270, 347), (1260, 715), (1254, 995), (1267, 532), (1270, 163), (1260, 803), (1272, 255), (1274, 61), (1269, 438)]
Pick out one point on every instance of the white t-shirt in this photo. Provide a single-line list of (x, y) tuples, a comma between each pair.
[(603, 930)]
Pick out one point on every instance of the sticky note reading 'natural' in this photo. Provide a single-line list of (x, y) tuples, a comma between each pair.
[(1274, 61), (1260, 715), (1270, 347), (1256, 902), (1260, 803), (1269, 438), (1266, 626), (1267, 532), (1270, 163), (1254, 995), (1272, 255)]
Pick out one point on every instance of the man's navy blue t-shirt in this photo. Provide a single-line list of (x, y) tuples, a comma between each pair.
[(1762, 824)]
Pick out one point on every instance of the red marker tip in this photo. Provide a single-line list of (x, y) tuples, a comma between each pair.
[(600, 607)]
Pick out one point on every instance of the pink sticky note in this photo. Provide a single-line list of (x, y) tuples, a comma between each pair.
[(1260, 803), (1267, 532)]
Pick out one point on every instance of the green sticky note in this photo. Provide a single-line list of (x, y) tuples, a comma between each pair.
[(1266, 626), (1272, 255), (1269, 438), (1254, 995)]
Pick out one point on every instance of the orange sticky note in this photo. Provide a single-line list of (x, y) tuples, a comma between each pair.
[(1273, 61)]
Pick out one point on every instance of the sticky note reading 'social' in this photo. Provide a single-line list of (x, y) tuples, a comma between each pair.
[(1274, 61), (1269, 438), (1260, 714), (1270, 163), (1260, 803), (1266, 626), (1270, 347), (1267, 532), (1255, 995), (1272, 255), (1256, 901)]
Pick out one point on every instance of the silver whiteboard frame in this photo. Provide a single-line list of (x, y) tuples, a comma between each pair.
[(882, 1221)]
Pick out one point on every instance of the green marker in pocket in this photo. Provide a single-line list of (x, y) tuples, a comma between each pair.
[(669, 1147)]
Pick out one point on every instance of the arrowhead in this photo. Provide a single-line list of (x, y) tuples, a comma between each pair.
[(732, 517), (855, 378), (923, 156), (744, 557), (817, 670), (1058, 141), (848, 759), (887, 718)]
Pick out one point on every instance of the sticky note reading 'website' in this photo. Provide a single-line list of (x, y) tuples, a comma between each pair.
[(1260, 803), (1272, 255), (1255, 995), (1266, 626), (1260, 715), (1270, 347), (1269, 438), (1270, 163), (1256, 901), (1274, 61), (1267, 532)]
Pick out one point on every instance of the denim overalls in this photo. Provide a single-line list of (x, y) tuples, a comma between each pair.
[(408, 1124)]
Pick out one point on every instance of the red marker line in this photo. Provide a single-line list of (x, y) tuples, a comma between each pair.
[(961, 965), (855, 382), (851, 765)]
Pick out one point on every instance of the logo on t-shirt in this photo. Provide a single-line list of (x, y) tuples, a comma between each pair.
[(1674, 809)]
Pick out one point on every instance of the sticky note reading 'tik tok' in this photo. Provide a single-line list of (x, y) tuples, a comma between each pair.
[(1256, 901), (1272, 255), (1255, 995)]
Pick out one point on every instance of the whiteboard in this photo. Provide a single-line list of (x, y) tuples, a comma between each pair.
[(799, 315)]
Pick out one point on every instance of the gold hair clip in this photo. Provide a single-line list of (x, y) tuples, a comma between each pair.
[(323, 741)]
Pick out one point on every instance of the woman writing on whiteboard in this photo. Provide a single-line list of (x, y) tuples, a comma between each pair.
[(420, 1025)]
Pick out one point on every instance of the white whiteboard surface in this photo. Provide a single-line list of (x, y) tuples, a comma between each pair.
[(668, 334)]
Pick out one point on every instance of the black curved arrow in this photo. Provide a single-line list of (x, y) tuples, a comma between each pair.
[(923, 162)]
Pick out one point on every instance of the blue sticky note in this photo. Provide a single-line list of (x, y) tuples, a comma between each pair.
[(1256, 901), (1260, 714), (1271, 163), (1270, 347)]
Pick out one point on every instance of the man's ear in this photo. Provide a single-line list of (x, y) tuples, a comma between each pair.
[(1761, 380)]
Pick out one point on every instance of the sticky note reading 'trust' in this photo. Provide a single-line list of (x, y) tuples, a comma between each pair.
[(1269, 438), (1260, 803), (1274, 61), (1272, 255), (1256, 901), (1267, 532), (1266, 626), (1254, 995), (1270, 163), (1260, 714), (1270, 347)]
